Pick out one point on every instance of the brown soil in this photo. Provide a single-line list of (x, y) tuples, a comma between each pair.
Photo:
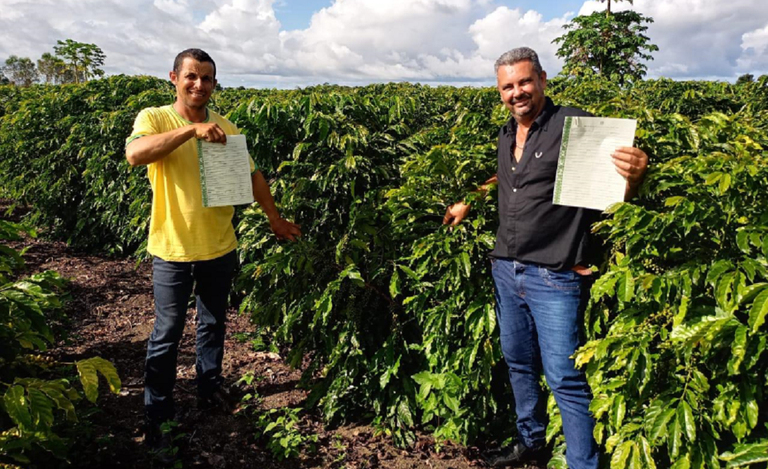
[(111, 315)]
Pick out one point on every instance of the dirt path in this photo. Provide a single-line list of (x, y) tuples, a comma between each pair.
[(111, 316)]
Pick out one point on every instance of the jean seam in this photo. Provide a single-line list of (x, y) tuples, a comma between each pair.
[(532, 390)]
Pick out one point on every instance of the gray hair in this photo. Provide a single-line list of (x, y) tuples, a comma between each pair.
[(519, 54)]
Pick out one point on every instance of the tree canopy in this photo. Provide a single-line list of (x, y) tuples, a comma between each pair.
[(20, 71), (53, 69), (83, 60), (609, 45), (746, 78)]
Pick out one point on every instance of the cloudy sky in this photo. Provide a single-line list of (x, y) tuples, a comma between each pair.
[(289, 43)]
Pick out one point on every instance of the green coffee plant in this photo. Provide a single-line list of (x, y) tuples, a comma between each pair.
[(169, 429), (676, 362), (354, 266), (281, 428), (72, 138), (34, 400)]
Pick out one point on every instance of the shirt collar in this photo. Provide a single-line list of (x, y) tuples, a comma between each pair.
[(207, 116), (544, 118)]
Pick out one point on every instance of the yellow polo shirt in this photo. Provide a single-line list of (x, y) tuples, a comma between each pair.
[(180, 228)]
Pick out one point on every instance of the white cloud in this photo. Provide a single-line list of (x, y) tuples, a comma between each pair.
[(754, 56), (361, 41), (178, 8), (757, 40), (242, 20), (244, 36), (374, 40), (428, 40), (504, 29)]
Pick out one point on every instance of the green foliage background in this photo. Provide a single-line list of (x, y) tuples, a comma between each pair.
[(392, 314)]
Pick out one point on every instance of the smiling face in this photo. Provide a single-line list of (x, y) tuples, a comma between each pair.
[(522, 90), (194, 84)]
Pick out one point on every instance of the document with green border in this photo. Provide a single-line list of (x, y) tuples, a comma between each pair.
[(225, 172), (586, 175)]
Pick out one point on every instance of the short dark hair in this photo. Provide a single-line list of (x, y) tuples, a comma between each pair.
[(197, 54), (514, 56)]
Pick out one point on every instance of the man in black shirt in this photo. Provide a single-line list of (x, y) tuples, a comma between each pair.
[(541, 263)]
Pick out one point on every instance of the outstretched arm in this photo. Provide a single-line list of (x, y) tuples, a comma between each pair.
[(458, 211), (281, 227)]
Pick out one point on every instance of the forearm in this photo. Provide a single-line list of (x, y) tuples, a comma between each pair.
[(152, 148), (633, 189), (488, 183), (456, 212), (486, 186), (631, 192), (263, 196)]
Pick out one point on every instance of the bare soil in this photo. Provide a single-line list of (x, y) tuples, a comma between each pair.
[(110, 314)]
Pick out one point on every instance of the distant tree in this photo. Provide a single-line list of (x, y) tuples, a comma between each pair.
[(82, 60), (609, 45), (53, 69), (20, 70), (746, 78), (4, 80)]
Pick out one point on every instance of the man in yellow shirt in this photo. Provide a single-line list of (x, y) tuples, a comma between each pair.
[(193, 246)]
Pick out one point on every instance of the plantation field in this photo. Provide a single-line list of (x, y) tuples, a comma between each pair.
[(390, 316), (110, 315)]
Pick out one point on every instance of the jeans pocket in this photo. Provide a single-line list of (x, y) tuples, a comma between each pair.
[(561, 279)]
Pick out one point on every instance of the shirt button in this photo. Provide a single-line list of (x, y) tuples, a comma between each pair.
[(513, 168), (514, 190)]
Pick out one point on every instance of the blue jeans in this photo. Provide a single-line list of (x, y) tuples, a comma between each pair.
[(540, 314), (173, 284)]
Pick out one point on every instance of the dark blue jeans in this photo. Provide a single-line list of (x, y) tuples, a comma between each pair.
[(173, 284), (540, 315)]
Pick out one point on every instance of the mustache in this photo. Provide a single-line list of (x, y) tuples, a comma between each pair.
[(521, 98)]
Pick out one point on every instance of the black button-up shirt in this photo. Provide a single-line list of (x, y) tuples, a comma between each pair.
[(531, 228)]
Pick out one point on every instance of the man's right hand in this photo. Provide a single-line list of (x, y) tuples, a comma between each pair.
[(210, 131), (285, 229), (455, 213)]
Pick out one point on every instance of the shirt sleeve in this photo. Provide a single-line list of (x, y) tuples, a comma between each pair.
[(142, 126)]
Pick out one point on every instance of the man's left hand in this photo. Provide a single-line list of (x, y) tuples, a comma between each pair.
[(631, 163), (284, 229)]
